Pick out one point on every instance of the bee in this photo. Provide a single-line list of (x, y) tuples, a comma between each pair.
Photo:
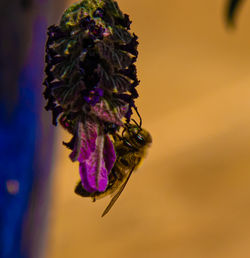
[(130, 148)]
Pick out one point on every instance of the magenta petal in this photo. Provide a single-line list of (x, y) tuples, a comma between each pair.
[(83, 173), (109, 153), (86, 141), (105, 112), (94, 170), (88, 134), (96, 156)]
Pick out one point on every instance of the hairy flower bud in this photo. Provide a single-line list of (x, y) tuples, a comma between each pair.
[(90, 83), (90, 58)]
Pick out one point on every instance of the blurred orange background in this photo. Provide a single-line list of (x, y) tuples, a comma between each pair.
[(191, 197)]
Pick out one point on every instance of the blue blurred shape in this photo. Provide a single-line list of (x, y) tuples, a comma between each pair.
[(19, 137)]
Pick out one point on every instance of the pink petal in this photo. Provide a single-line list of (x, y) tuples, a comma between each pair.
[(96, 154), (86, 141), (95, 170), (85, 183), (104, 111)]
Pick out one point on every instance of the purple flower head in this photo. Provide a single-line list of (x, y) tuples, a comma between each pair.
[(92, 97), (90, 83), (86, 49)]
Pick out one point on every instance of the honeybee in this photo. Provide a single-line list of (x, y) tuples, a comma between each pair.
[(130, 148)]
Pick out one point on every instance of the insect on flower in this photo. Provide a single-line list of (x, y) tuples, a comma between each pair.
[(130, 148), (91, 82)]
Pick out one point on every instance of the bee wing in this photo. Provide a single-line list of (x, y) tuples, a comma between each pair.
[(114, 199)]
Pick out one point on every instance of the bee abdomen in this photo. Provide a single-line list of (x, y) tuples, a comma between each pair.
[(118, 173)]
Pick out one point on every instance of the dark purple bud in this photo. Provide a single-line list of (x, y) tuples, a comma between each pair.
[(56, 84), (135, 83), (51, 52), (46, 83), (130, 72), (47, 70), (55, 113), (91, 25), (54, 33), (84, 22), (125, 22), (47, 93), (67, 123), (131, 47), (48, 59), (88, 42), (90, 63), (49, 78), (82, 71), (54, 60), (93, 96), (98, 12), (51, 103), (98, 32), (134, 93), (71, 143)]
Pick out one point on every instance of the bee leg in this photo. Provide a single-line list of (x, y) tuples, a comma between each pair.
[(116, 137), (118, 173)]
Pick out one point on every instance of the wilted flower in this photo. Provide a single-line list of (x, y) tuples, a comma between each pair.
[(91, 82)]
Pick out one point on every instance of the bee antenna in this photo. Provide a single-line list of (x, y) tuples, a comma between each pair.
[(123, 131), (137, 112), (136, 123), (115, 136)]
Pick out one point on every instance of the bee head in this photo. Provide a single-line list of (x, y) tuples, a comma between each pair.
[(137, 136)]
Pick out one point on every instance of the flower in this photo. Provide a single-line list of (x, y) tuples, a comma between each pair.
[(96, 155), (91, 76), (92, 96)]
